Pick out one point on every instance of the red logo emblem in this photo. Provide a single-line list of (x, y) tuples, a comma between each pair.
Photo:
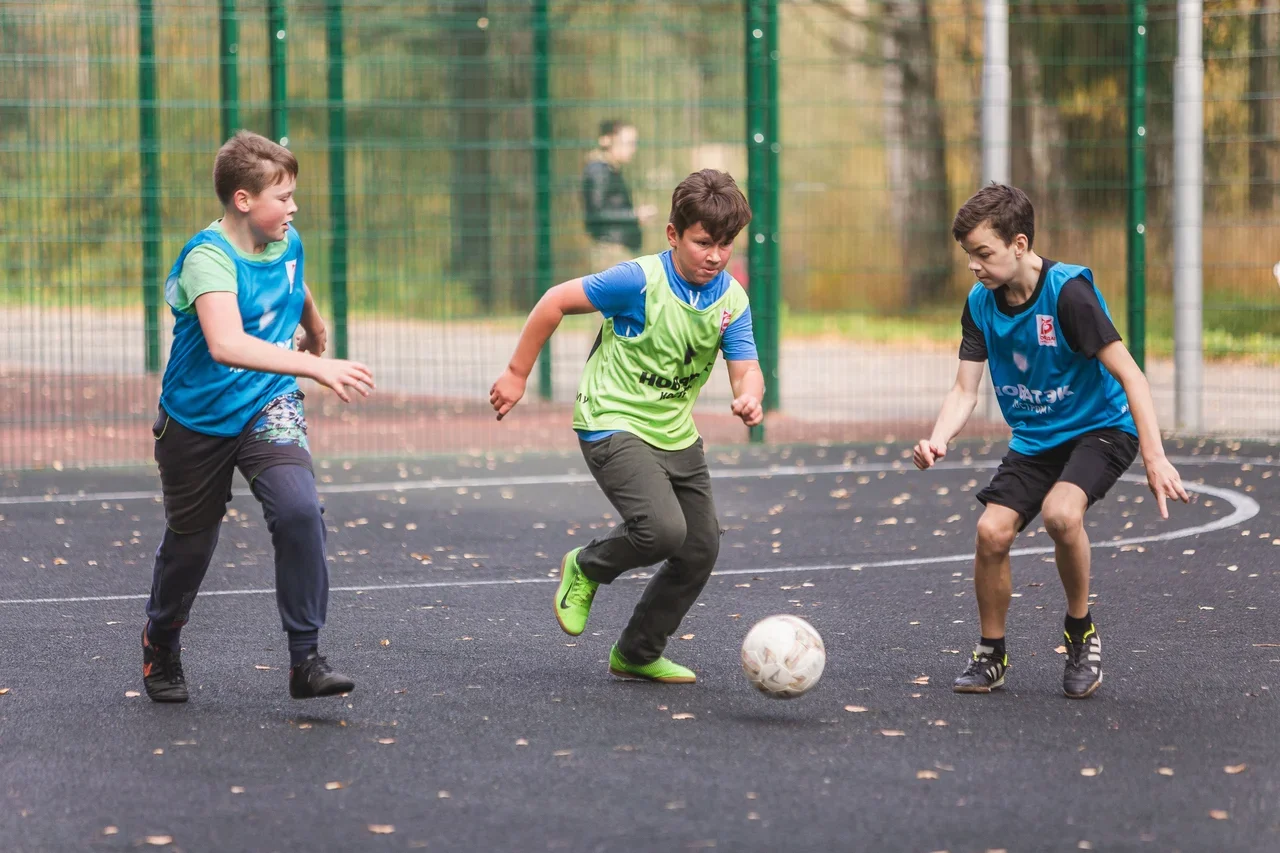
[(726, 319), (1048, 334)]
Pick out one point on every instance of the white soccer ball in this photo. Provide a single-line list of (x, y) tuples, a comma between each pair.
[(783, 656)]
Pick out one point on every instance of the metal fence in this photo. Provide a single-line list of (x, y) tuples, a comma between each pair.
[(442, 147)]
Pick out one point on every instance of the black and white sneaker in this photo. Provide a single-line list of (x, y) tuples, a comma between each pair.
[(984, 673), (314, 677), (1083, 673)]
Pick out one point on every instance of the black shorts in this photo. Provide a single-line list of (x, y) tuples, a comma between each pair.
[(1093, 461), (196, 469)]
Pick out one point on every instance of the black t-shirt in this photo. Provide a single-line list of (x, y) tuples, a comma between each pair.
[(1084, 325)]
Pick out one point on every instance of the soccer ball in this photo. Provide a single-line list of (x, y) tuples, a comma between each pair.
[(783, 656)]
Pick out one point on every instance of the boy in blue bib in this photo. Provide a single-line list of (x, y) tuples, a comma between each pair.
[(230, 399), (1080, 410)]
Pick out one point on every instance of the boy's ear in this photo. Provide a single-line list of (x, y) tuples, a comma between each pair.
[(240, 200)]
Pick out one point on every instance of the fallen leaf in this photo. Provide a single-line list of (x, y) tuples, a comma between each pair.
[(683, 716), (562, 753), (1233, 769), (333, 786), (386, 741), (686, 636), (236, 789), (892, 733), (675, 804), (381, 828), (924, 679), (162, 840), (1089, 771), (3, 690), (1218, 814), (110, 830), (1165, 771), (384, 642), (926, 774), (521, 742), (131, 694), (753, 815), (442, 795), (855, 709), (263, 667), (1062, 650)]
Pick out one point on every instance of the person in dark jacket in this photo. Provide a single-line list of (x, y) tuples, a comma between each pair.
[(612, 220)]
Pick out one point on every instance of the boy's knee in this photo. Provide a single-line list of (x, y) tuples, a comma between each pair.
[(657, 538), (302, 515), (1061, 521), (702, 547), (994, 536)]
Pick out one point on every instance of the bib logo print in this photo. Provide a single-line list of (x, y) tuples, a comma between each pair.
[(726, 319), (290, 267), (1048, 334)]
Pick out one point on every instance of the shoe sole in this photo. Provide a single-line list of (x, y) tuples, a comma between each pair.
[(977, 688), (167, 700), (631, 676), (1093, 688), (564, 563)]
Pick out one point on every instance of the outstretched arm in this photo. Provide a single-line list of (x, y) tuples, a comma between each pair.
[(957, 406), (1162, 477), (567, 298)]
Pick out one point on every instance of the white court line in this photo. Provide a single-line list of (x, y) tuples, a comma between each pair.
[(574, 479), (1244, 508), (489, 482)]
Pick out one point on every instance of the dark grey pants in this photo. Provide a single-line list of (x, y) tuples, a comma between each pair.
[(668, 516)]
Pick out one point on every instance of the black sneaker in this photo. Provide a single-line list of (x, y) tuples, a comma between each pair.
[(1083, 674), (984, 673), (314, 677), (162, 672)]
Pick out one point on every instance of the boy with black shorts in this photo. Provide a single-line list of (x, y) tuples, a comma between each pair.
[(229, 399), (1080, 410)]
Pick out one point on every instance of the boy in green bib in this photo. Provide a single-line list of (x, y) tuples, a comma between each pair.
[(665, 319)]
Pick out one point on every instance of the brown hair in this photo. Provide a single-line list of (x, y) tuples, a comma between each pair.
[(251, 163), (1006, 209), (712, 198)]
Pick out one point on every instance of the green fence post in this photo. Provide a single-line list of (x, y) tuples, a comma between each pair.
[(762, 189), (279, 72), (1136, 244), (228, 47), (337, 176), (542, 173), (150, 151)]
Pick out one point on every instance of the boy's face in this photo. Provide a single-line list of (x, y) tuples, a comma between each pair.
[(698, 257), (993, 262), (622, 145), (270, 211)]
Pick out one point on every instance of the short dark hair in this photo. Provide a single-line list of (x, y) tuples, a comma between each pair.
[(611, 126), (712, 198), (1006, 209), (252, 163)]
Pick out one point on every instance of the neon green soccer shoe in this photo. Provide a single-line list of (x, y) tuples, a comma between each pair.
[(661, 670), (574, 595)]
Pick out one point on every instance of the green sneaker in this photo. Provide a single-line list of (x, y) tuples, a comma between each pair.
[(661, 670), (574, 595)]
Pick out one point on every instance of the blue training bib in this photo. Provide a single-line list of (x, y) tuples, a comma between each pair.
[(212, 398), (1048, 393)]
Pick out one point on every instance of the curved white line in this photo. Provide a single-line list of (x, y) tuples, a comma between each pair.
[(1244, 508)]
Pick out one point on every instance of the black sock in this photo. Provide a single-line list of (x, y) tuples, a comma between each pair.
[(165, 638), (302, 644), (1077, 628), (997, 645)]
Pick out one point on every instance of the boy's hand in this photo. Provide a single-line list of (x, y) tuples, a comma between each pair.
[(1164, 482), (506, 392), (339, 375), (927, 453), (314, 337), (748, 409)]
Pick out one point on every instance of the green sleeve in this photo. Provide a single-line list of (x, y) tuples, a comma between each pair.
[(207, 269)]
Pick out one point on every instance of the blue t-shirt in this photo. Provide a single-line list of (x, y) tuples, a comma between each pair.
[(618, 294)]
